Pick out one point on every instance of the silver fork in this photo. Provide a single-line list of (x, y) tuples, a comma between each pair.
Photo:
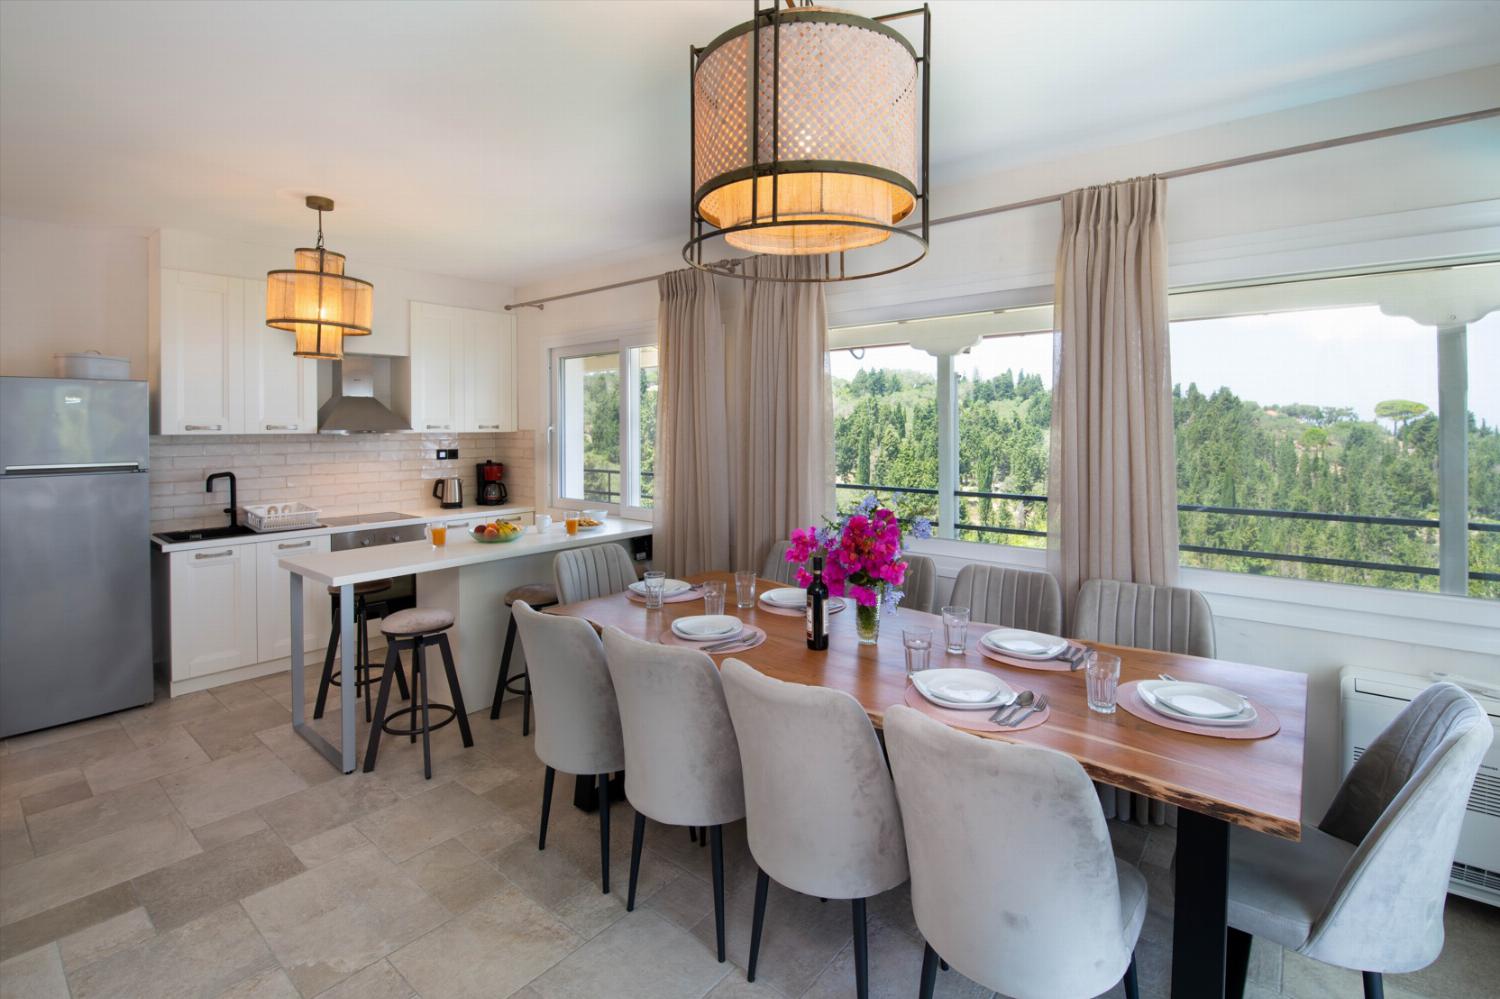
[(1023, 700), (1040, 704)]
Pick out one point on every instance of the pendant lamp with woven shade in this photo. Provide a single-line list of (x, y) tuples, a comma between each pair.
[(316, 300), (833, 157)]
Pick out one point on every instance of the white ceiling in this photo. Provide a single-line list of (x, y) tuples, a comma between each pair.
[(506, 141)]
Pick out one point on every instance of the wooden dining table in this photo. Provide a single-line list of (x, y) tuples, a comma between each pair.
[(1216, 783)]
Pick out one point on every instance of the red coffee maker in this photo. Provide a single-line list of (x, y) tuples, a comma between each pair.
[(491, 489)]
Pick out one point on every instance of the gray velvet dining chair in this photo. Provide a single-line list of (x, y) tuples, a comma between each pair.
[(1013, 877), (1163, 618), (920, 588), (820, 809), (1365, 888), (578, 724), (596, 571), (1009, 598), (680, 751), (777, 567)]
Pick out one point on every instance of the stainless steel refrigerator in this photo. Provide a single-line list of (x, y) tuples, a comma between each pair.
[(75, 573)]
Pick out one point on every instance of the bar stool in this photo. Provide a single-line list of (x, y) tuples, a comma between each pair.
[(416, 629), (362, 678), (536, 596)]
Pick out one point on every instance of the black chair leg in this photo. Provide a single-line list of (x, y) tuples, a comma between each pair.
[(636, 839), (541, 840), (392, 660), (861, 952), (762, 884), (692, 834), (419, 669), (1236, 963), (716, 835), (929, 973), (1132, 986), (1374, 985), (453, 688), (942, 964), (702, 836), (604, 831), (526, 709), (327, 677), (510, 643)]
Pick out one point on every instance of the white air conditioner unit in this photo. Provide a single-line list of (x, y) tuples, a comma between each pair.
[(1368, 700)]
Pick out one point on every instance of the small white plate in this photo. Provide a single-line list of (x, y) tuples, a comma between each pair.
[(1186, 694), (706, 627), (963, 689), (669, 587), (1025, 644), (785, 596)]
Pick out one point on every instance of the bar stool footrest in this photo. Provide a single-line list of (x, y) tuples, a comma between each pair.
[(416, 729)]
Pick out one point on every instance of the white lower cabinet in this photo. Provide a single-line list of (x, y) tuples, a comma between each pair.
[(213, 610), (273, 609)]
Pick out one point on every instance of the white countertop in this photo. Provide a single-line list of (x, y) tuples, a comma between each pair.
[(427, 516), (381, 562)]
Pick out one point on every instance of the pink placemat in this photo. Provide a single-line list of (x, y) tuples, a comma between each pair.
[(835, 605), (1047, 665), (1266, 723), (973, 721), (676, 598), (753, 636)]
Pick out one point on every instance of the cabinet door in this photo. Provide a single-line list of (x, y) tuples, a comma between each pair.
[(436, 382), (213, 610), (273, 586), (202, 353), (281, 391), (489, 372)]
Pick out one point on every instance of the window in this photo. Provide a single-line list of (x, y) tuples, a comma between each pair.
[(885, 427), (1483, 425), (641, 419), (604, 439)]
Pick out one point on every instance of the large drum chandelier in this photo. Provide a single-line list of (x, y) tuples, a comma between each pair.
[(834, 156), (316, 300)]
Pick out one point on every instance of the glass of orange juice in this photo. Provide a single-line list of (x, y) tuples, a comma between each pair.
[(439, 534), (572, 523)]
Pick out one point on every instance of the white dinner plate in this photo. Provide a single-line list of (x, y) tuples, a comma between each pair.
[(1173, 699), (1025, 644), (669, 587), (706, 627), (963, 689), (785, 596)]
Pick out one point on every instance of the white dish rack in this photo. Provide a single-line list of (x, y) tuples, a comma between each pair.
[(265, 518)]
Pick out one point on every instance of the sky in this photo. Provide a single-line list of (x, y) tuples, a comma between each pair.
[(1349, 357)]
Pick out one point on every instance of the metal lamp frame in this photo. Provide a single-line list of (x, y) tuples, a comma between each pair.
[(762, 18), (289, 323)]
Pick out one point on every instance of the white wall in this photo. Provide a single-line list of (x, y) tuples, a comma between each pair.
[(1426, 195)]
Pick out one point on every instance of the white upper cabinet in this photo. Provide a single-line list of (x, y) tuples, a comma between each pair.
[(462, 370), (489, 372), (202, 347), (281, 390)]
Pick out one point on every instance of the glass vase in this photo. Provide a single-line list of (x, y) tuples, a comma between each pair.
[(867, 623)]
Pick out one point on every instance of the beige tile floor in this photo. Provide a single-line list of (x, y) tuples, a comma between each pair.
[(196, 848)]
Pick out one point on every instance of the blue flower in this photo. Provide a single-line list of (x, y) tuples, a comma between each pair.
[(890, 598), (828, 536), (921, 528), (867, 504)]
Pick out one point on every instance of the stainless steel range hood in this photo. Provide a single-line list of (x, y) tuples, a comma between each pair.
[(353, 408)]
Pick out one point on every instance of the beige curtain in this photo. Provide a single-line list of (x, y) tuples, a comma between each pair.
[(1112, 495), (783, 417), (691, 487)]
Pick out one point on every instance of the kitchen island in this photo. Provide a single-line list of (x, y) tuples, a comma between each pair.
[(465, 577)]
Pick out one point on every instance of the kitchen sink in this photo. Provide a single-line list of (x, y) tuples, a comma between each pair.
[(205, 534)]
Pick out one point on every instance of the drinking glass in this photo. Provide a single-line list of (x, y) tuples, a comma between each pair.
[(1102, 674), (655, 580), (713, 596), (918, 643), (572, 523), (439, 534), (744, 588), (956, 628)]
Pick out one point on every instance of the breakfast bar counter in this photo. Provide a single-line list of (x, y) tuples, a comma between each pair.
[(465, 577)]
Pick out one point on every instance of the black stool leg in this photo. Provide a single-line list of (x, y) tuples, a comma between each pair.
[(392, 659), (526, 708), (1132, 985), (692, 834), (454, 689), (716, 835), (861, 952), (1236, 963), (604, 831), (1374, 984), (327, 677), (541, 840), (635, 859), (510, 643), (362, 671), (929, 973), (762, 884), (419, 667)]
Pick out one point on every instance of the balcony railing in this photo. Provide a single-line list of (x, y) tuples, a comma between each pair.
[(602, 485), (1338, 518)]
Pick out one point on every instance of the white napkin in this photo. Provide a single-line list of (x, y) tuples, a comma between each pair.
[(705, 626)]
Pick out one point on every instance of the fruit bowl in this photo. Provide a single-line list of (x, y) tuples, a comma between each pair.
[(498, 539)]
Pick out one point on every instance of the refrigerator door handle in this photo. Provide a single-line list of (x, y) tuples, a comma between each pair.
[(93, 466)]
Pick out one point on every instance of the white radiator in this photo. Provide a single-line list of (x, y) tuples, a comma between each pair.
[(1368, 700)]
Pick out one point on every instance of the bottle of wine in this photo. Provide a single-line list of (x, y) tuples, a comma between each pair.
[(817, 608)]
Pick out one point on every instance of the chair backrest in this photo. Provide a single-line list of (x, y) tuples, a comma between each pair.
[(680, 750), (1403, 803), (578, 724), (1164, 618), (596, 571), (820, 808), (777, 567), (1013, 879), (1010, 598), (921, 583)]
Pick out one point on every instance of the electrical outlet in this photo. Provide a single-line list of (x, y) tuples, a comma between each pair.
[(447, 454)]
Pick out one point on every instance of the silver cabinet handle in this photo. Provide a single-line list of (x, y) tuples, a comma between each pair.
[(438, 426), (299, 544), (227, 551), (489, 426), (281, 426), (203, 426)]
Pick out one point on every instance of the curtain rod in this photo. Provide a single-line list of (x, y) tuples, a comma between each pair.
[(1273, 154)]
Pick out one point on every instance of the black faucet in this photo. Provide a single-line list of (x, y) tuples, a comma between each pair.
[(233, 508)]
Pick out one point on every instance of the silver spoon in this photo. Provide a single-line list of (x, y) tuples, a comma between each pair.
[(1022, 702), (1040, 704)]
